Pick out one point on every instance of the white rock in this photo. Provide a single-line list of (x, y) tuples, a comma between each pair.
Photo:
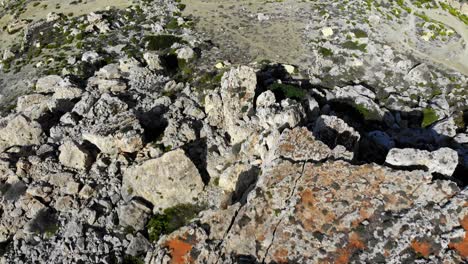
[(327, 32), (185, 53), (90, 56), (52, 16), (153, 61), (289, 68), (262, 17), (237, 94), (443, 161), (48, 83), (266, 99)]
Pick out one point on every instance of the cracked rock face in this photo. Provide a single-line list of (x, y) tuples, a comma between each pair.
[(304, 211), (135, 138)]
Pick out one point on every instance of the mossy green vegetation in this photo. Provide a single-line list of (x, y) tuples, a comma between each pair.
[(325, 52), (160, 42), (132, 260), (288, 91), (359, 33), (354, 45), (171, 219), (429, 117)]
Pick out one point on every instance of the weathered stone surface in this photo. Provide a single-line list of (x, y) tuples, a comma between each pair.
[(119, 133), (362, 98), (299, 144), (48, 83), (303, 212), (134, 215), (443, 161), (18, 130), (166, 181), (74, 156), (237, 94), (338, 135)]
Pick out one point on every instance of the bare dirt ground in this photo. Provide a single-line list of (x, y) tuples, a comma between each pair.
[(276, 31), (253, 30)]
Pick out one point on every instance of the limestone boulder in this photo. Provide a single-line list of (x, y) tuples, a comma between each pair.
[(166, 181)]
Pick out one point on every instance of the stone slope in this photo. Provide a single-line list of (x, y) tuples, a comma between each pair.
[(145, 151)]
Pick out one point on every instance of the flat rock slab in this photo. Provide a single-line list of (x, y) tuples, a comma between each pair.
[(167, 181), (443, 161)]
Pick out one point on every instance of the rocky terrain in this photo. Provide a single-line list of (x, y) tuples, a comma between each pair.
[(165, 131)]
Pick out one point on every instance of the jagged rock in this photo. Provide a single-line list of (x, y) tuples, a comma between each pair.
[(445, 129), (138, 245), (119, 133), (52, 16), (213, 111), (298, 212), (153, 61), (134, 215), (166, 181), (461, 138), (237, 179), (33, 105), (184, 123), (288, 114), (18, 130), (74, 156), (361, 98), (334, 132), (237, 94), (299, 144), (443, 160), (108, 79), (90, 56)]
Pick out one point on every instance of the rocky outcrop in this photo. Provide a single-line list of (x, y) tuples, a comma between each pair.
[(303, 211), (150, 147), (237, 94)]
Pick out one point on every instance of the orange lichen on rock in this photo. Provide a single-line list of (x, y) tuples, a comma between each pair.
[(281, 255), (421, 247), (354, 243), (462, 246), (179, 251), (310, 214)]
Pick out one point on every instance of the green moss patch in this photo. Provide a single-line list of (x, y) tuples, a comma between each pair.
[(161, 42), (171, 219), (353, 45), (287, 91), (429, 117)]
